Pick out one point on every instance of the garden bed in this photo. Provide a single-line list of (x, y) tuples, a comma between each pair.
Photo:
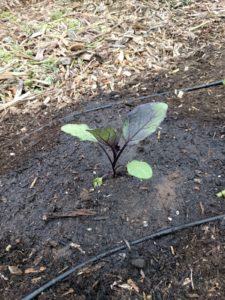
[(187, 157), (46, 175)]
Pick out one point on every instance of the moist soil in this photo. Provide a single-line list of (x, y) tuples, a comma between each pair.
[(46, 173)]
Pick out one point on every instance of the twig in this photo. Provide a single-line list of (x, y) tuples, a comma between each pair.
[(68, 214), (25, 97), (191, 277)]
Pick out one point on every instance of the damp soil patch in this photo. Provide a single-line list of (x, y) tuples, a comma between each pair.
[(187, 156)]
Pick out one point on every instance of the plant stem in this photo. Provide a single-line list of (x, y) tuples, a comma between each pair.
[(109, 158), (116, 156), (115, 160)]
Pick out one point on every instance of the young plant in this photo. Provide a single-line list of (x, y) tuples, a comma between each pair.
[(141, 122)]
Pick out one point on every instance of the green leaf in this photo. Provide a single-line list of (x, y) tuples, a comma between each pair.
[(221, 194), (143, 121), (139, 169), (224, 82), (98, 181), (80, 131), (107, 136)]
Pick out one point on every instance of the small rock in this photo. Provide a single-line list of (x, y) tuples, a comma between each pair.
[(52, 243), (65, 61), (138, 263), (3, 199), (197, 180), (196, 188), (87, 56), (145, 224)]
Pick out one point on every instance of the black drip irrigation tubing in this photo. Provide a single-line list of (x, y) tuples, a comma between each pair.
[(112, 251), (72, 115)]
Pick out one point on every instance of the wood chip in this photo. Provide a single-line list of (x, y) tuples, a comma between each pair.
[(32, 270), (77, 46), (115, 36), (15, 270), (133, 285)]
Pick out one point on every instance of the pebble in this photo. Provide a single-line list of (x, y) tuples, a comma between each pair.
[(138, 263), (197, 180), (145, 224), (65, 61)]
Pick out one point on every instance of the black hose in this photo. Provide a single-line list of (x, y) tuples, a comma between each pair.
[(112, 251), (72, 115), (186, 90)]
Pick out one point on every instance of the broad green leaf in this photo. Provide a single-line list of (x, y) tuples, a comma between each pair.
[(107, 135), (224, 82), (80, 131), (143, 121), (139, 169), (97, 182)]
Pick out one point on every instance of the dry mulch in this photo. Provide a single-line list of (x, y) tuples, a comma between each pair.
[(54, 53)]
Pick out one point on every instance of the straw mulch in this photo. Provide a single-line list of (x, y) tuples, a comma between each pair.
[(55, 53)]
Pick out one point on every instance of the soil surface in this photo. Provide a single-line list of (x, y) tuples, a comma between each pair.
[(46, 173)]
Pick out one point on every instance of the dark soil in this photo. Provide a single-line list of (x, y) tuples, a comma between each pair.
[(45, 171)]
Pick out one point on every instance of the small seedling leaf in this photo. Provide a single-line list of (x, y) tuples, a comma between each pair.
[(81, 131), (107, 135), (143, 121), (98, 181), (139, 169), (221, 194)]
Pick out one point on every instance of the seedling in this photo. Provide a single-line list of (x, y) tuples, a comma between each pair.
[(221, 194), (141, 122)]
